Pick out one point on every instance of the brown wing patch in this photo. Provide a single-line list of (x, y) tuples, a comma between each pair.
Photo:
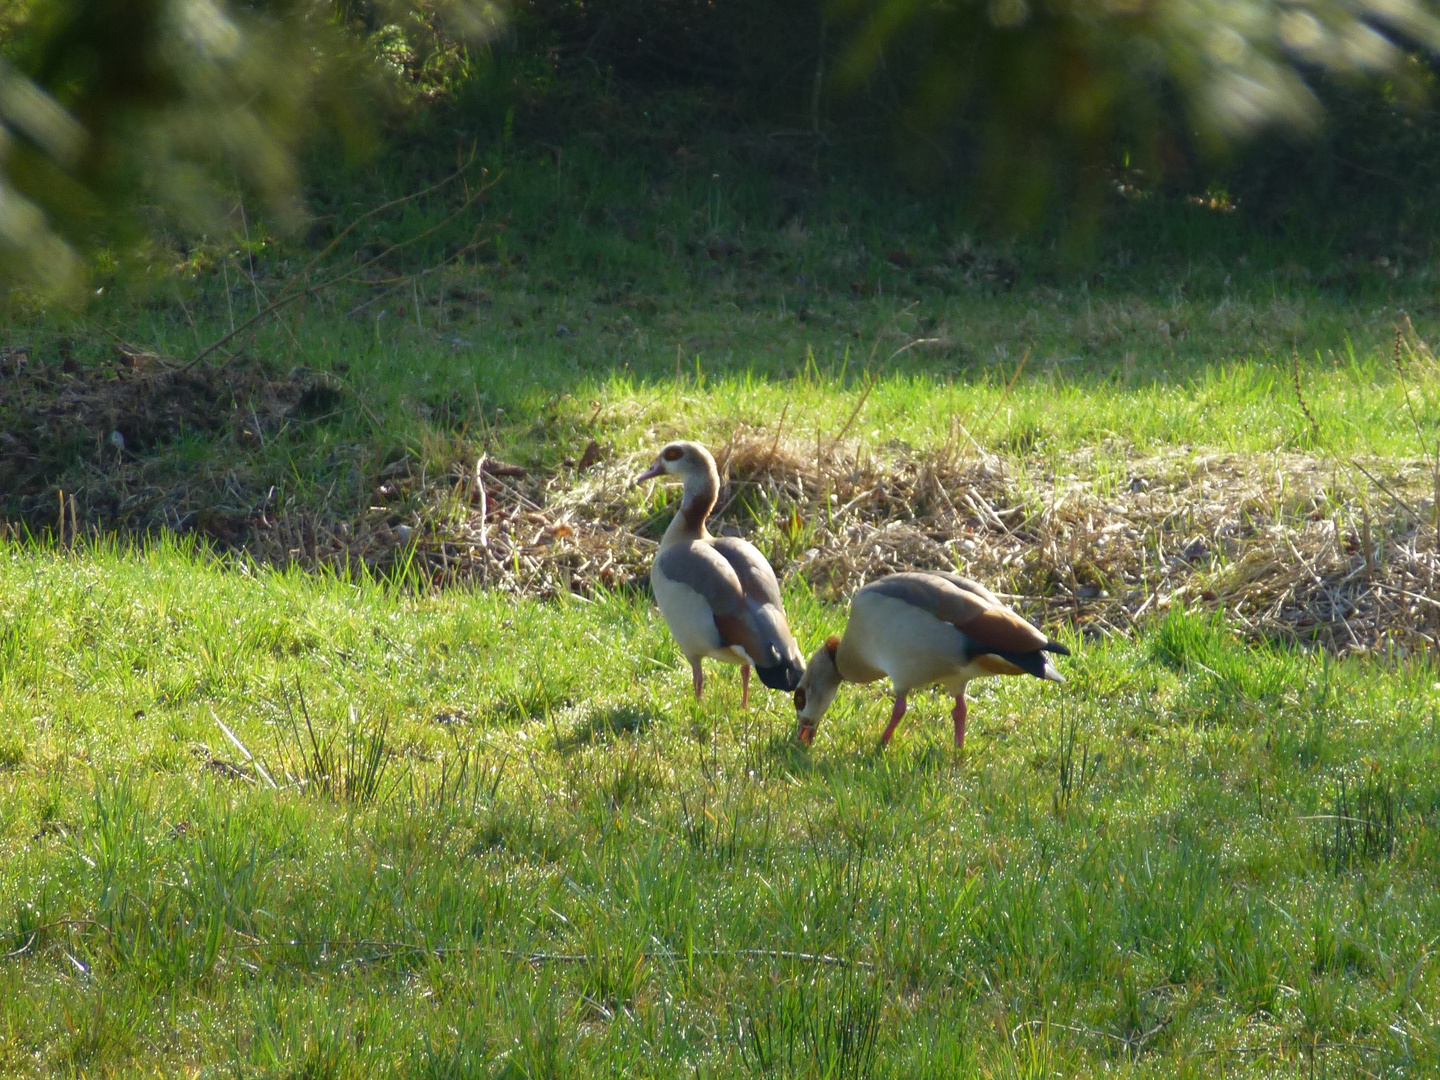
[(996, 665), (1001, 628), (735, 629), (832, 643)]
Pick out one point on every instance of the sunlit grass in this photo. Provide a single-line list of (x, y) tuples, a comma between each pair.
[(569, 867), (258, 823)]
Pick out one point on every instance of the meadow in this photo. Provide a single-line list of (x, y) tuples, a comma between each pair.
[(483, 835), (278, 818)]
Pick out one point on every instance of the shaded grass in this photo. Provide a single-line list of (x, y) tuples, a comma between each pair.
[(411, 392), (623, 298), (1227, 390), (606, 877)]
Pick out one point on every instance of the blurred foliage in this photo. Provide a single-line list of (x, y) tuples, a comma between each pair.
[(761, 55), (1365, 172), (1046, 112), (116, 111), (118, 114), (1056, 88), (423, 45)]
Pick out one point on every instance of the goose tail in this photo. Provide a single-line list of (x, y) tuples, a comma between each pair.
[(785, 675)]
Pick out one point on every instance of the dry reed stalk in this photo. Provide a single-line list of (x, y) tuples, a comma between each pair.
[(1300, 396)]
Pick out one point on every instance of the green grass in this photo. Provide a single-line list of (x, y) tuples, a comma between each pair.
[(503, 841), (639, 294), (564, 867)]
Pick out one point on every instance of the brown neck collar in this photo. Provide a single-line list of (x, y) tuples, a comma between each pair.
[(701, 492)]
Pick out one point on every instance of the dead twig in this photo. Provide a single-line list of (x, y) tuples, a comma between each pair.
[(1300, 395)]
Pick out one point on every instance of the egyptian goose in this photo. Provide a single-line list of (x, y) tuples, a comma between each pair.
[(717, 593), (920, 628)]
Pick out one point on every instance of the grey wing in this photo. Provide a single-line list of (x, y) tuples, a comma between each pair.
[(969, 585), (752, 568), (764, 604), (939, 594), (701, 568)]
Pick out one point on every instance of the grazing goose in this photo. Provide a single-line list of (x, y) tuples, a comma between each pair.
[(717, 593), (921, 628)]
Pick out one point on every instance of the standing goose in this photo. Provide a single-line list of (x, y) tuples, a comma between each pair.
[(717, 593), (920, 628)]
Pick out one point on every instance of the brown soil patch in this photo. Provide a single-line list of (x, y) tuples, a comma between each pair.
[(94, 433)]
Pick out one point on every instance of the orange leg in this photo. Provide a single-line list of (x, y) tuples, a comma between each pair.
[(699, 677), (895, 715), (744, 686), (959, 714)]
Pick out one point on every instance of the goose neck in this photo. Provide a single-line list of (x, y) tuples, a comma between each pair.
[(852, 662), (701, 491)]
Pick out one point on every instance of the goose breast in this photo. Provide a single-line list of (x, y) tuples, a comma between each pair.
[(693, 585)]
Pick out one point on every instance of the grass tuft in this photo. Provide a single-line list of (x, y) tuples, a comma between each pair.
[(347, 765), (1070, 775), (821, 1025), (1364, 820)]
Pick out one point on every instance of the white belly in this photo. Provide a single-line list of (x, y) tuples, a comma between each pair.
[(690, 619), (910, 645)]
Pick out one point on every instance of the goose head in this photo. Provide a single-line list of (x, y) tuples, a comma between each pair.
[(817, 690), (689, 462)]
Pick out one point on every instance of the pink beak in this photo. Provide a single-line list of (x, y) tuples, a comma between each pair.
[(657, 468)]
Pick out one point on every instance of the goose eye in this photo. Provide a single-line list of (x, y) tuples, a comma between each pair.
[(673, 453), (799, 700)]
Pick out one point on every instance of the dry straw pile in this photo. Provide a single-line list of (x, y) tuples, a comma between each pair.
[(1344, 554)]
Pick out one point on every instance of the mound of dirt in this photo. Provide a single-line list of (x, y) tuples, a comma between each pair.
[(64, 423)]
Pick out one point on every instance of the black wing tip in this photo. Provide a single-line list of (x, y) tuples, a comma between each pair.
[(1034, 663), (1056, 648), (781, 676)]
